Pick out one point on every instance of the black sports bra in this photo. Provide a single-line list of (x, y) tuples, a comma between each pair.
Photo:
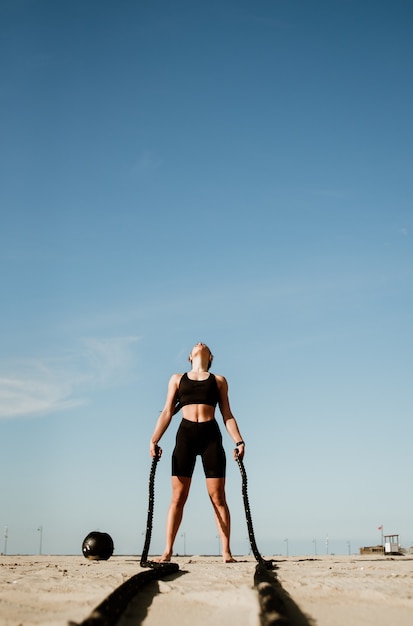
[(198, 391)]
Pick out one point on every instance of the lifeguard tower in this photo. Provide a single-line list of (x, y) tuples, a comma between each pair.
[(391, 544)]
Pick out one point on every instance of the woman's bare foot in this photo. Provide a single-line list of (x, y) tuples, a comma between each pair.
[(165, 558), (228, 558)]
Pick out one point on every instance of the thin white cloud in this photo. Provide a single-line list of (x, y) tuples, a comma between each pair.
[(21, 396), (32, 387)]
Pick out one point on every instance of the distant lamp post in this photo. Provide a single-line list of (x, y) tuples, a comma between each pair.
[(6, 535), (184, 538), (327, 544), (219, 544), (349, 547), (286, 543), (40, 530), (315, 546)]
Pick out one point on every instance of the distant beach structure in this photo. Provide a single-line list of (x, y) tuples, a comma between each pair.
[(390, 546), (372, 550)]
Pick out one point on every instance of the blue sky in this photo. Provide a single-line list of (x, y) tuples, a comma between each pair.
[(232, 172)]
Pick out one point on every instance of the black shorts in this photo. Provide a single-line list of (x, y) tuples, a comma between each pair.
[(203, 438)]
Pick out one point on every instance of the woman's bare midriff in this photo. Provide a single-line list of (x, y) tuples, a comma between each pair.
[(198, 412)]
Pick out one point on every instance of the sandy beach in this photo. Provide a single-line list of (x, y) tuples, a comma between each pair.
[(322, 591)]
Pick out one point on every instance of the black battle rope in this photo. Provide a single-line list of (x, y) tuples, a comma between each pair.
[(149, 522), (166, 567), (251, 536), (144, 556)]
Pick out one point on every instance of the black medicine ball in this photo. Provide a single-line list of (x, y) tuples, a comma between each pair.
[(97, 546)]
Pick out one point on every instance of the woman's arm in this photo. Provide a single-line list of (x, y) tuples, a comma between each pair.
[(165, 417), (229, 420)]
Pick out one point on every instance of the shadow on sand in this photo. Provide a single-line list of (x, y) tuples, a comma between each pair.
[(111, 610), (137, 609), (277, 606)]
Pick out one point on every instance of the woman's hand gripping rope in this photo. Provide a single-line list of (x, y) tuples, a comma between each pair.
[(155, 451), (239, 450)]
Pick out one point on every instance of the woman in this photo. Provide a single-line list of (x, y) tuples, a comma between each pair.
[(197, 393)]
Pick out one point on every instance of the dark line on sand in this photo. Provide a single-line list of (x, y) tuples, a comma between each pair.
[(277, 607), (108, 612)]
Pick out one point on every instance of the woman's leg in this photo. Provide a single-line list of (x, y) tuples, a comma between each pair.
[(216, 492), (180, 491)]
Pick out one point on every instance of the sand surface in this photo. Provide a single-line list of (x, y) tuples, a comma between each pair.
[(324, 591)]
